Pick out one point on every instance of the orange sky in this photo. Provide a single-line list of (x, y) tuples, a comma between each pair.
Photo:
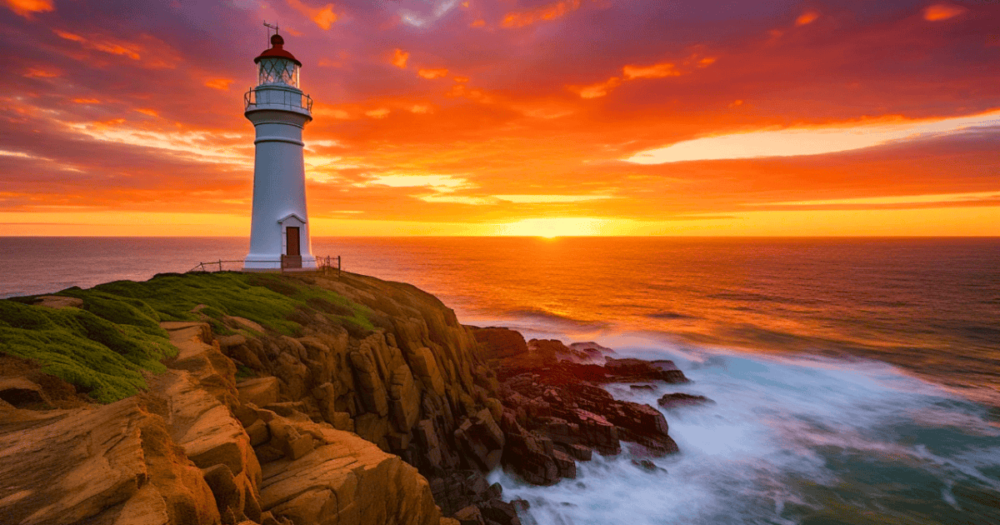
[(511, 117)]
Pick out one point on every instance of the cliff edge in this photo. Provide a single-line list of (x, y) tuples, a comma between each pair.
[(297, 398)]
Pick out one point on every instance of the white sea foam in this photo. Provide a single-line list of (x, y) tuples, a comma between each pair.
[(785, 438)]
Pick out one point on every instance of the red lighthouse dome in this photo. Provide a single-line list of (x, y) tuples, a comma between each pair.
[(277, 51)]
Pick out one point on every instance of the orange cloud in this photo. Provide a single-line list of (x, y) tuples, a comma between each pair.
[(41, 73), (106, 46), (149, 112), (324, 17), (399, 58), (86, 101), (222, 84), (378, 113), (433, 73), (26, 8), (938, 12), (806, 18), (597, 90), (478, 23), (559, 9), (654, 71)]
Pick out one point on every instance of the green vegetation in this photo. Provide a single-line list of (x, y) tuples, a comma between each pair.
[(104, 347)]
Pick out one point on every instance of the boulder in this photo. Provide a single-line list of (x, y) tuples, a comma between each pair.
[(482, 439), (669, 401)]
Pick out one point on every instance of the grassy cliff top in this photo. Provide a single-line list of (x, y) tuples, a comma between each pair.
[(103, 347)]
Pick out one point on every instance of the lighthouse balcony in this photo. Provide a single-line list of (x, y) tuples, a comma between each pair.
[(271, 97)]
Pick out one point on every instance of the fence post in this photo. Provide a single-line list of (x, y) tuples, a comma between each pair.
[(338, 266)]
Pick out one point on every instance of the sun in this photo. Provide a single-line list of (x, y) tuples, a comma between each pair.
[(551, 228)]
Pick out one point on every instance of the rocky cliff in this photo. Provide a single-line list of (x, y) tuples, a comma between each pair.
[(302, 398)]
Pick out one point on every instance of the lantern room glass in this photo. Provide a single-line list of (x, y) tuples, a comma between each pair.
[(277, 71)]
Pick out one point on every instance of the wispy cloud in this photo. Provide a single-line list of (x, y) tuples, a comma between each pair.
[(943, 198), (810, 141)]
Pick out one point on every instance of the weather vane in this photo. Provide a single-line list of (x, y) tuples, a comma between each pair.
[(269, 28)]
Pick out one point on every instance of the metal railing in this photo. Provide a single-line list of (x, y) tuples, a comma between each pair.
[(325, 264), (287, 98)]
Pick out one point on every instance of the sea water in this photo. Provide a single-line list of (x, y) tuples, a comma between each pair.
[(854, 380), (800, 440)]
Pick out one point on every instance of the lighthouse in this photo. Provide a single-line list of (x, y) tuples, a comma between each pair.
[(279, 229)]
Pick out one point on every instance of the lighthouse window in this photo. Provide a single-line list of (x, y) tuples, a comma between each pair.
[(278, 71)]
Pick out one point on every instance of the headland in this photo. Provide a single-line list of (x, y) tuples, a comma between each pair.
[(295, 398)]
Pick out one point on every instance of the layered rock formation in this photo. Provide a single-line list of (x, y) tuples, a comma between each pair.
[(396, 421)]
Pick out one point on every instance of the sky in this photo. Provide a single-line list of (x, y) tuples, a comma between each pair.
[(510, 117)]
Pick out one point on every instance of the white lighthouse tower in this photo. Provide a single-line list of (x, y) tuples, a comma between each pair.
[(279, 230)]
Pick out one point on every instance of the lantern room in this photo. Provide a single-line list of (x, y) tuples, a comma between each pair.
[(276, 66)]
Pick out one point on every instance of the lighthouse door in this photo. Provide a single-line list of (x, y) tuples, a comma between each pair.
[(293, 255), (293, 240)]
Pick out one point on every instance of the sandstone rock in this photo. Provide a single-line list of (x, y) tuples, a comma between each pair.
[(346, 480), (369, 384), (496, 343), (114, 463), (482, 439), (19, 392), (260, 391), (229, 341), (470, 515), (428, 437), (258, 433), (199, 355), (405, 398), (425, 366), (242, 323), (228, 497), (209, 434)]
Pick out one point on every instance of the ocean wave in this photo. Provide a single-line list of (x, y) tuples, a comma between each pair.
[(789, 440)]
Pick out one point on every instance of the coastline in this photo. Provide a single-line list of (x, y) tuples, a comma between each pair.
[(250, 400)]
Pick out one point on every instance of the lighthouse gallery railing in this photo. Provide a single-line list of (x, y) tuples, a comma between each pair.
[(278, 97)]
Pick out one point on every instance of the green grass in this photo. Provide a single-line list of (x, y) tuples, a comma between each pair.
[(104, 347)]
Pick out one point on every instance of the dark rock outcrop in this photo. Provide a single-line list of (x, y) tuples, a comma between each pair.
[(680, 399)]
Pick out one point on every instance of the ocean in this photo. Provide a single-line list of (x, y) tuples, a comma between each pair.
[(855, 380)]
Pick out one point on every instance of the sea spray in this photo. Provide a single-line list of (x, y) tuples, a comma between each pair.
[(789, 440)]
